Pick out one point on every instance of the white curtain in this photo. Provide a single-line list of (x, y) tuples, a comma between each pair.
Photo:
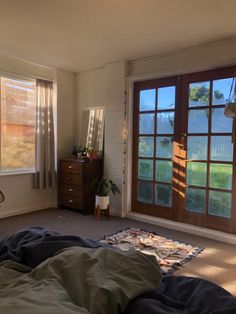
[(95, 129), (45, 175)]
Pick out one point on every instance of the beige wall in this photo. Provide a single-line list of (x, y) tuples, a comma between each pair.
[(105, 87), (20, 196), (65, 112)]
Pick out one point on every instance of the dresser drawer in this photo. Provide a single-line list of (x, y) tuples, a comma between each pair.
[(70, 178), (71, 201), (73, 190), (71, 167), (75, 179)]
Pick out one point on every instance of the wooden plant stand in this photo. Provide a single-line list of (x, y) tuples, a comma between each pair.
[(98, 212)]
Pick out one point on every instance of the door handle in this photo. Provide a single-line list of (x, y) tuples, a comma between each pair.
[(182, 140), (182, 158)]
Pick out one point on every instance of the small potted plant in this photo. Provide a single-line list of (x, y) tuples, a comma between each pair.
[(103, 187), (78, 151)]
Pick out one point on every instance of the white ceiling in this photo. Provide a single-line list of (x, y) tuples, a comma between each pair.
[(77, 35)]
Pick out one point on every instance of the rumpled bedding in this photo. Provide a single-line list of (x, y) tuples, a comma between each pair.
[(33, 245), (78, 280), (184, 295), (36, 269)]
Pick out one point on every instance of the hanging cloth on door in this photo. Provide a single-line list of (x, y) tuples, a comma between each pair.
[(2, 197), (230, 108)]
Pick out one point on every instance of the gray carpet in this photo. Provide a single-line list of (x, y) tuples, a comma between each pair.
[(216, 263)]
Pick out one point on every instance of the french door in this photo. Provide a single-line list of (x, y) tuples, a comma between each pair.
[(183, 157)]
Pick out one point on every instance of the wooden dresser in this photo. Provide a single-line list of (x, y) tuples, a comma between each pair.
[(75, 178)]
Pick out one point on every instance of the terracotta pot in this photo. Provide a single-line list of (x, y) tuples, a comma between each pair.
[(92, 155)]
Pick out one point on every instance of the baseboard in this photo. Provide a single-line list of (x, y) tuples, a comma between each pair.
[(116, 213), (21, 211), (179, 226)]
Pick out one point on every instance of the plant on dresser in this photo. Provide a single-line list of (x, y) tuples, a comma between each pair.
[(75, 177)]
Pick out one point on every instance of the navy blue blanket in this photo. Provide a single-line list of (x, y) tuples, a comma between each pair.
[(32, 246), (176, 294), (181, 294)]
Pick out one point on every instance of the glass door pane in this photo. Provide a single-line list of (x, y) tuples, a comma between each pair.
[(164, 145), (155, 114), (209, 150)]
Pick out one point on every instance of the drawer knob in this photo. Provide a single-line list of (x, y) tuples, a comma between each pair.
[(70, 201), (68, 178), (70, 167), (70, 190)]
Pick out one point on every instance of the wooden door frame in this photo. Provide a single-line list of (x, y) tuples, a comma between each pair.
[(177, 212), (206, 220), (152, 209)]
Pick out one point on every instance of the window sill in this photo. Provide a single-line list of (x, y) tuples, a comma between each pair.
[(13, 173)]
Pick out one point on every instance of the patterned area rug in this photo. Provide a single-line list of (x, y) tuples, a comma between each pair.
[(170, 254)]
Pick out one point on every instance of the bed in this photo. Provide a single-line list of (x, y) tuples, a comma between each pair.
[(43, 271)]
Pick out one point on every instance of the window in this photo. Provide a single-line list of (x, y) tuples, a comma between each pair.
[(18, 119)]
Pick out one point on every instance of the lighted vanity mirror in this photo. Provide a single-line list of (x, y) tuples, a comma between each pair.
[(93, 128)]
